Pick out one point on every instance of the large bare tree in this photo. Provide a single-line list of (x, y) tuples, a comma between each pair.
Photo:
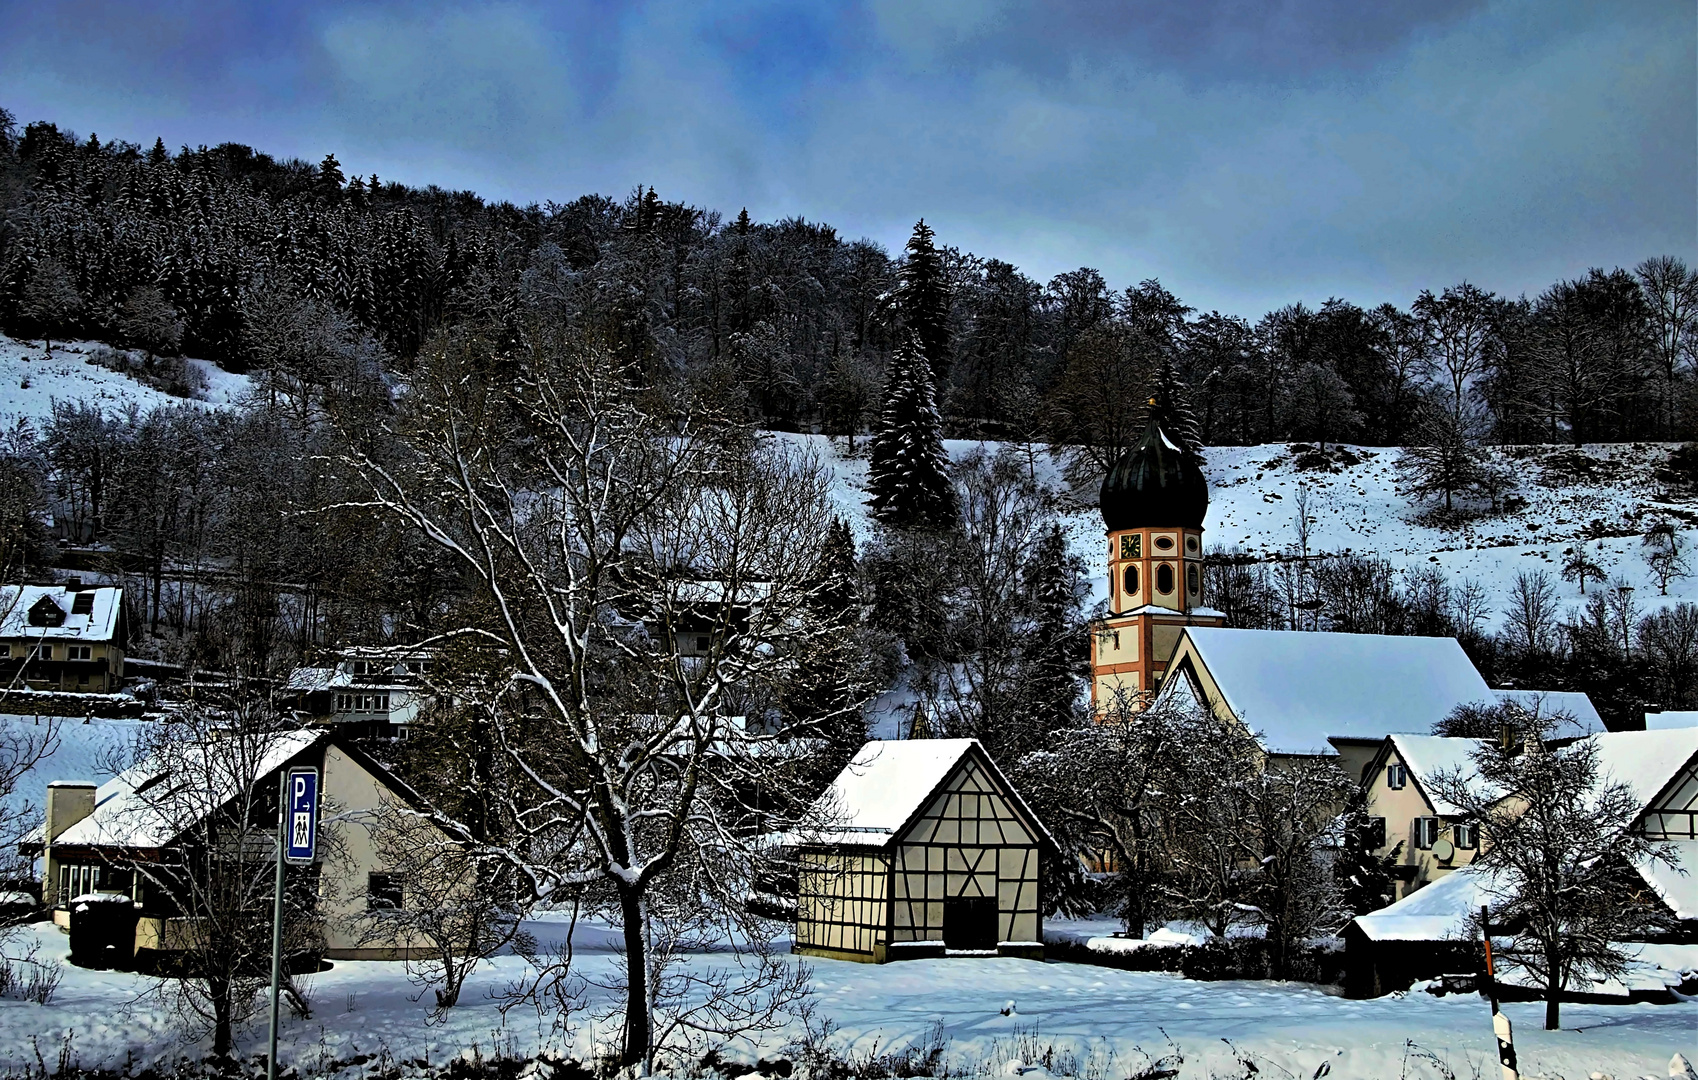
[(640, 570)]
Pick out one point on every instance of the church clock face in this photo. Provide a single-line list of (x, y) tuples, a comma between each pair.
[(1131, 546)]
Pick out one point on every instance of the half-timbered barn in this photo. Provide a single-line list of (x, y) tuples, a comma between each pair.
[(925, 850)]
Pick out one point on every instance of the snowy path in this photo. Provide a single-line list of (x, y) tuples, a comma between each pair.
[(364, 1008)]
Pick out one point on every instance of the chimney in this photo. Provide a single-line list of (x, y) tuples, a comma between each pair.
[(73, 583), (68, 802)]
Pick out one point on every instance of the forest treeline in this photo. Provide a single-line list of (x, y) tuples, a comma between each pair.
[(295, 269)]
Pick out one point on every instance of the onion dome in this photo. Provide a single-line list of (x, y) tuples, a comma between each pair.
[(1154, 485)]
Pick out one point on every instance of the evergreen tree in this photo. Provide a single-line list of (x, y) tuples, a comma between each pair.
[(1170, 407), (831, 687), (908, 470), (1364, 879), (922, 300), (330, 178), (1054, 658)]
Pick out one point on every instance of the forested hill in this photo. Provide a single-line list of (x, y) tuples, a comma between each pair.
[(229, 254)]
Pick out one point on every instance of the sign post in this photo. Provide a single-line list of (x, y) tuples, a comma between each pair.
[(1500, 1022), (297, 840)]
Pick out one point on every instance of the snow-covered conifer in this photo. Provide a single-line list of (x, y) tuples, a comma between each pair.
[(908, 470)]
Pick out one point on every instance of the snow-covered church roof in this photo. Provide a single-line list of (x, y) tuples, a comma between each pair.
[(1296, 688)]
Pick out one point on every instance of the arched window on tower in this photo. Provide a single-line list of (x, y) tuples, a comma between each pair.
[(1164, 578), (1129, 582), (1193, 578)]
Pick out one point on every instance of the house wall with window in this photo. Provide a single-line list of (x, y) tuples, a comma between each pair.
[(1396, 794)]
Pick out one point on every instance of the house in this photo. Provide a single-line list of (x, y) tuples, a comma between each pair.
[(923, 849), (126, 838), (368, 692), (1436, 837), (63, 637), (1663, 721), (1425, 932), (1297, 689)]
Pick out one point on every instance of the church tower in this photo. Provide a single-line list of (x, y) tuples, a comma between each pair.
[(1153, 502)]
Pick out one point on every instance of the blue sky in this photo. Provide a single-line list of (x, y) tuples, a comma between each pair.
[(1247, 152)]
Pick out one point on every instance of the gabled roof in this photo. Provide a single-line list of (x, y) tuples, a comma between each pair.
[(889, 782), (1646, 761), (135, 809), (1296, 688), (99, 624), (1436, 912), (1551, 702), (1429, 755)]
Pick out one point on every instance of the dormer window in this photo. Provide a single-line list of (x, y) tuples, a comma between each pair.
[(82, 604), (45, 612)]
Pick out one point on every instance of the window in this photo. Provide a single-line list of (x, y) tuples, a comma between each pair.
[(1164, 578), (362, 702), (1465, 835), (79, 652), (82, 604), (5, 652), (1426, 832), (701, 643), (383, 892), (1193, 579), (44, 652), (1396, 775), (1129, 581), (359, 667), (1191, 544)]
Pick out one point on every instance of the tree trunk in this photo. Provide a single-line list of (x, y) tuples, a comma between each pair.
[(637, 1026), (220, 992), (1553, 994)]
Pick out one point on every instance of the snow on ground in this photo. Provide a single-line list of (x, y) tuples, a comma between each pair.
[(1363, 509), (69, 376), (367, 1007)]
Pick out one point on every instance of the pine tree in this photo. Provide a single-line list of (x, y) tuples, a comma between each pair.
[(1170, 407), (922, 300), (830, 687), (330, 178), (1364, 879), (908, 470), (1053, 657)]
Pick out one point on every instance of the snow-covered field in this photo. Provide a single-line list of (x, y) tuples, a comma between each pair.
[(1364, 509), (30, 381), (1288, 1029)]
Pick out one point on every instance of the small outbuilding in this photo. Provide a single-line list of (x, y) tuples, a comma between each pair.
[(925, 849)]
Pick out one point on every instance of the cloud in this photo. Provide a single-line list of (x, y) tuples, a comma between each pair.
[(1248, 152)]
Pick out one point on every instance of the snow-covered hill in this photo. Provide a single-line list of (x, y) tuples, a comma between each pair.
[(30, 381), (1360, 505)]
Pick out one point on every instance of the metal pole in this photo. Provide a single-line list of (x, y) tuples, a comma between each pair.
[(277, 928), (1500, 1022)]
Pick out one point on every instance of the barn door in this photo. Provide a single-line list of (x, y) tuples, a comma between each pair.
[(969, 922)]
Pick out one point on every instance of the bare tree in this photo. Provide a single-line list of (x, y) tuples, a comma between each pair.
[(1558, 856), (631, 557), (205, 799), (1460, 341), (1671, 292), (1530, 622), (1664, 550)]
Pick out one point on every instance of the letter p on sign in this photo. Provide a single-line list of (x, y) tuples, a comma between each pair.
[(300, 814)]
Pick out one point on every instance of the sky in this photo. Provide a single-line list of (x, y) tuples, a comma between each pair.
[(1249, 153)]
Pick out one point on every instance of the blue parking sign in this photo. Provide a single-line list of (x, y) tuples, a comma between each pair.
[(300, 814)]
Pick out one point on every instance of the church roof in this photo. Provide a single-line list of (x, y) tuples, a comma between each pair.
[(1296, 688), (1156, 484)]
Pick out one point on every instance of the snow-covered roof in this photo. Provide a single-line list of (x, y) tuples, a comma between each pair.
[(886, 783), (77, 751), (135, 809), (1438, 912), (1297, 688), (1678, 884), (1645, 760), (100, 623), (1551, 702), (1662, 721), (1429, 755)]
